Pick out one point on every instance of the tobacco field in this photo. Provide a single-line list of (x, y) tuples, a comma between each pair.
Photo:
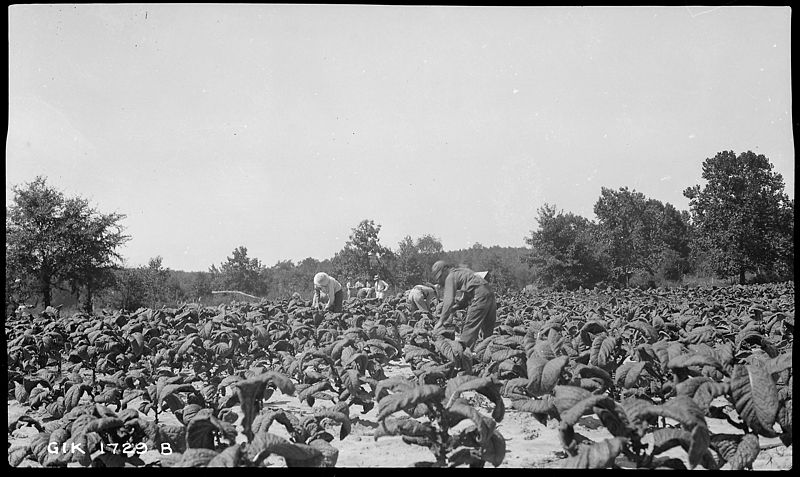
[(695, 378)]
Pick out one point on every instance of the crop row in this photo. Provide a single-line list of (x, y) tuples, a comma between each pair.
[(651, 365)]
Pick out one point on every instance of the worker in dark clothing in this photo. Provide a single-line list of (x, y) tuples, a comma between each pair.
[(464, 289)]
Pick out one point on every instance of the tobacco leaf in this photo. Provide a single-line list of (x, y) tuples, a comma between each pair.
[(535, 367), (404, 426), (73, 395), (598, 456), (566, 397), (669, 437), (707, 392), (198, 457), (485, 426), (230, 457), (628, 374), (201, 429), (695, 359), (494, 449), (698, 446), (339, 417), (602, 350), (552, 372), (739, 451), (755, 397), (535, 406), (570, 416), (408, 399)]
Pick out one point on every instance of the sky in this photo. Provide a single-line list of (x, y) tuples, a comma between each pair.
[(281, 127)]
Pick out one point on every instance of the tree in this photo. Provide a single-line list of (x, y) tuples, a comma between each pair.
[(52, 240), (430, 250), (501, 275), (414, 259), (286, 277), (155, 278), (429, 245), (564, 253), (280, 278), (627, 230), (410, 269), (744, 220), (641, 235), (200, 286), (240, 273), (19, 290), (784, 267), (130, 289), (363, 255)]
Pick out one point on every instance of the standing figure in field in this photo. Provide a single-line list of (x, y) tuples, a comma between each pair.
[(464, 289), (332, 288), (349, 287), (421, 297), (380, 288)]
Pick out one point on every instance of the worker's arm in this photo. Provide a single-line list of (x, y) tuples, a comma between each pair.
[(315, 300), (448, 298), (430, 296)]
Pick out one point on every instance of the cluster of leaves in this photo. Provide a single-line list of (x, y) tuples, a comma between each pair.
[(651, 365), (652, 372)]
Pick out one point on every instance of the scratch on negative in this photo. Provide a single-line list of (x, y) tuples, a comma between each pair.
[(701, 13)]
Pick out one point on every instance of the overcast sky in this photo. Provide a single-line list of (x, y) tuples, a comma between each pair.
[(281, 127)]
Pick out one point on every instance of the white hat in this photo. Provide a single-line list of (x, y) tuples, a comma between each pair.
[(321, 279)]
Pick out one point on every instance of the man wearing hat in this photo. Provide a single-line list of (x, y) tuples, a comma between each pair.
[(325, 283), (380, 287), (462, 288)]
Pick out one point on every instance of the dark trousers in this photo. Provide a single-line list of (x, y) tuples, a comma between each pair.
[(481, 316), (338, 300)]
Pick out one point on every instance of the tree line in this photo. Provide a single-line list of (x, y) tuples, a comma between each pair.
[(740, 223)]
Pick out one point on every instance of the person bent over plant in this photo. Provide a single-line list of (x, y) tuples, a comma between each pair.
[(421, 297), (324, 282), (462, 288)]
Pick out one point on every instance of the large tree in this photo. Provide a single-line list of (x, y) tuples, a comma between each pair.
[(54, 240), (240, 273), (414, 259), (363, 255), (742, 215), (641, 234), (286, 277), (564, 254)]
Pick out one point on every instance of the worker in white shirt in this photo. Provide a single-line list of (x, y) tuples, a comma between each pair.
[(349, 286), (332, 288), (381, 287), (421, 297)]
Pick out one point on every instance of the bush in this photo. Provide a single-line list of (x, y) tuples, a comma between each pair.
[(671, 266), (642, 279)]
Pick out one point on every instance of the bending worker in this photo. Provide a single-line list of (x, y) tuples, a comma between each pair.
[(331, 287), (421, 297), (474, 292)]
